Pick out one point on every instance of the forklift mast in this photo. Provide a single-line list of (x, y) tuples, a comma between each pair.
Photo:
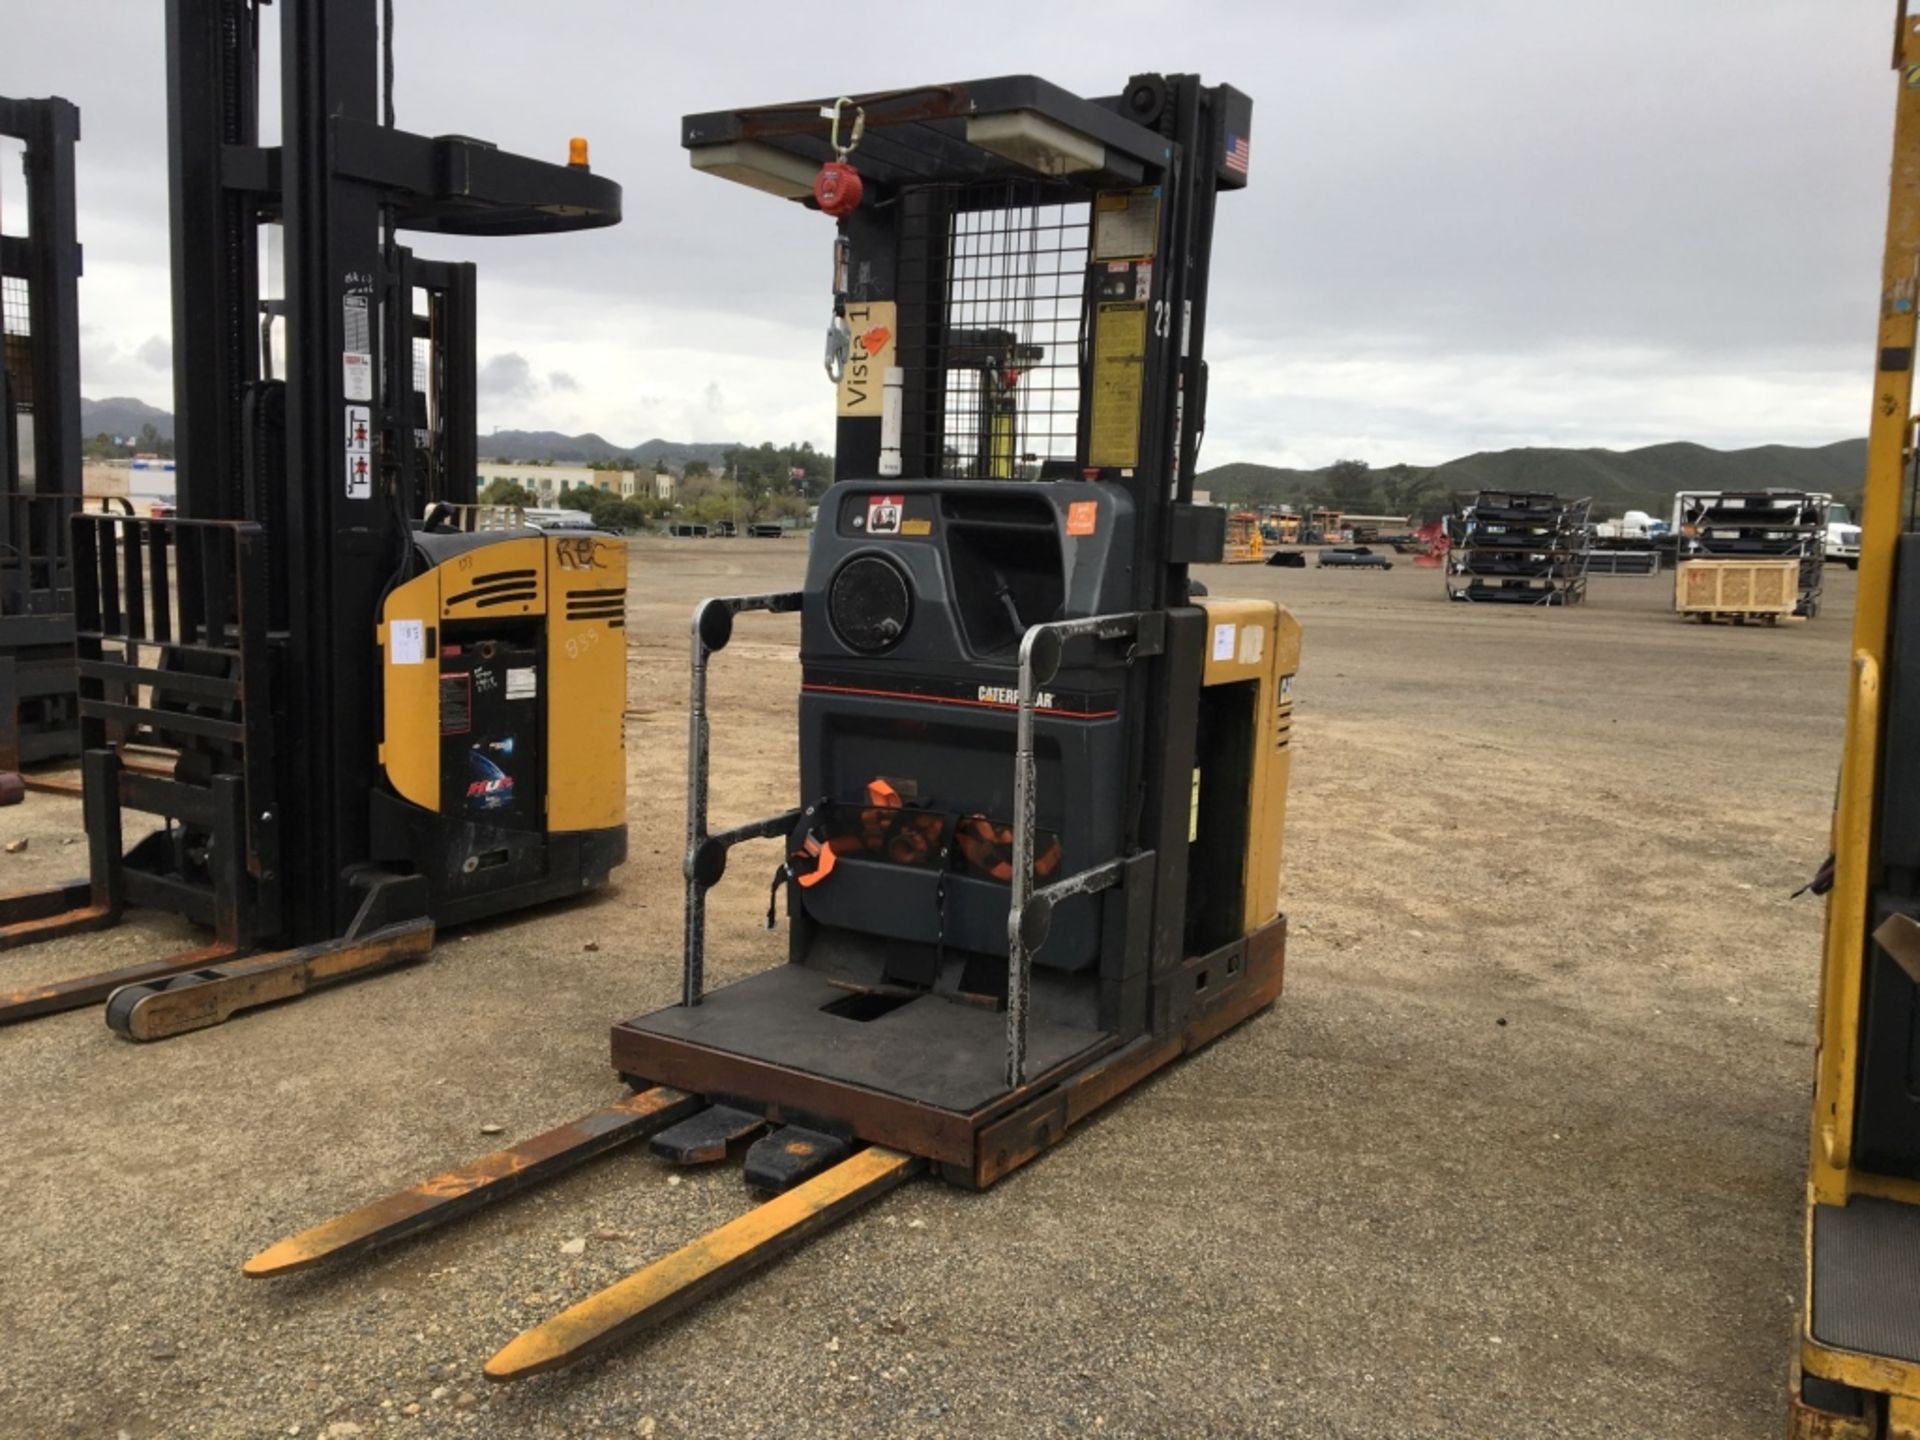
[(40, 475)]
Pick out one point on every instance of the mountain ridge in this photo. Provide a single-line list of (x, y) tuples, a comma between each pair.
[(1644, 477)]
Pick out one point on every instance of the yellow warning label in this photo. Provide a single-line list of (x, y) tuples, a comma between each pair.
[(1119, 372), (916, 527), (874, 328)]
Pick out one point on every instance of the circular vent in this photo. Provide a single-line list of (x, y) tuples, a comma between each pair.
[(869, 604)]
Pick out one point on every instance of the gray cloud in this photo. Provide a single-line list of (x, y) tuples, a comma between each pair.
[(562, 380), (156, 354), (506, 377), (1470, 223)]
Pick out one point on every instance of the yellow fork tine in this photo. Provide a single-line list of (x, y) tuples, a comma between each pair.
[(695, 1271)]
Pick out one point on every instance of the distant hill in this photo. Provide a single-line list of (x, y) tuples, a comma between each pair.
[(1615, 480), (584, 449), (123, 415)]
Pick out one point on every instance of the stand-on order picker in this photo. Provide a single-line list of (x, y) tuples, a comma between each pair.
[(1857, 1358), (1037, 854), (370, 724)]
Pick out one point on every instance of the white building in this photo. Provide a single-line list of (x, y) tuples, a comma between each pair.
[(548, 482)]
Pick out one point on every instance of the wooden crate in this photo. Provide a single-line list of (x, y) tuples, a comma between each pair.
[(1736, 587)]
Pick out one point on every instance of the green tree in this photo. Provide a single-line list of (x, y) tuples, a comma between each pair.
[(1349, 486), (1405, 490), (502, 491), (694, 469), (608, 510)]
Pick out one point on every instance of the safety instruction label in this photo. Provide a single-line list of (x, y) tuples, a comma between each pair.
[(884, 512), (874, 324), (1119, 375), (523, 683), (1083, 517), (1126, 224), (359, 430), (407, 642), (359, 477), (1223, 638)]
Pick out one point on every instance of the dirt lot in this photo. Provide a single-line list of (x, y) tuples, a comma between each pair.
[(1517, 1155)]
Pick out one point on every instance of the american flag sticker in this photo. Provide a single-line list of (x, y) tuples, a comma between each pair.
[(1239, 152)]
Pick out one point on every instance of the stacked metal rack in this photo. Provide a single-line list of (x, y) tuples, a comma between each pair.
[(1518, 548), (1758, 525)]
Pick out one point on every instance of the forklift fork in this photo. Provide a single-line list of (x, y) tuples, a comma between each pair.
[(821, 1180)]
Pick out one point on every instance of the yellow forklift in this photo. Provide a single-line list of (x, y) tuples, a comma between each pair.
[(1856, 1373), (347, 715), (1035, 854)]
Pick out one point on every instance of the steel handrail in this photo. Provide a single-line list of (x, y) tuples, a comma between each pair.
[(1030, 910), (706, 854)]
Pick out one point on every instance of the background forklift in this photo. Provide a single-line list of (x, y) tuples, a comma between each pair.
[(40, 477), (1036, 854), (1857, 1363), (374, 724)]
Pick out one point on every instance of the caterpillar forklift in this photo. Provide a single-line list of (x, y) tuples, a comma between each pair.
[(348, 713), (1856, 1373), (40, 478), (1035, 854)]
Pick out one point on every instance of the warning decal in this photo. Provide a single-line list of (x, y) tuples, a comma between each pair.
[(1119, 375), (1082, 517), (883, 514)]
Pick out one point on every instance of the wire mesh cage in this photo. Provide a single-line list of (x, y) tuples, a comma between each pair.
[(16, 330), (993, 282)]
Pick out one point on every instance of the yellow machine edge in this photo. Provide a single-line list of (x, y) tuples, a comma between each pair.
[(1259, 641), (1832, 1179)]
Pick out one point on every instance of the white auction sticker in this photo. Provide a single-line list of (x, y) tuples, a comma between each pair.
[(523, 684), (357, 375), (407, 642)]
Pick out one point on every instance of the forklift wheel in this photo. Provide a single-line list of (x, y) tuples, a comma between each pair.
[(120, 1005)]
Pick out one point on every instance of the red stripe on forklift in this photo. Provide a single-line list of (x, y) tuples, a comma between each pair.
[(955, 700)]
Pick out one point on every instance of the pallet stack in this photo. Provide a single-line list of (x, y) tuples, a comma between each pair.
[(1754, 525), (1518, 548)]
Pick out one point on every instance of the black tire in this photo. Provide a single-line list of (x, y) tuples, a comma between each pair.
[(1853, 562)]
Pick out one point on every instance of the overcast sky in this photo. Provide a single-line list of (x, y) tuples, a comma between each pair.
[(1471, 224)]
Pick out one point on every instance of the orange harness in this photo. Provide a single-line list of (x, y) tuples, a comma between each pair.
[(887, 827), (988, 848)]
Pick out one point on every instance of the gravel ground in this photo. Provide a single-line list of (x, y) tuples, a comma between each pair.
[(1517, 1155)]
